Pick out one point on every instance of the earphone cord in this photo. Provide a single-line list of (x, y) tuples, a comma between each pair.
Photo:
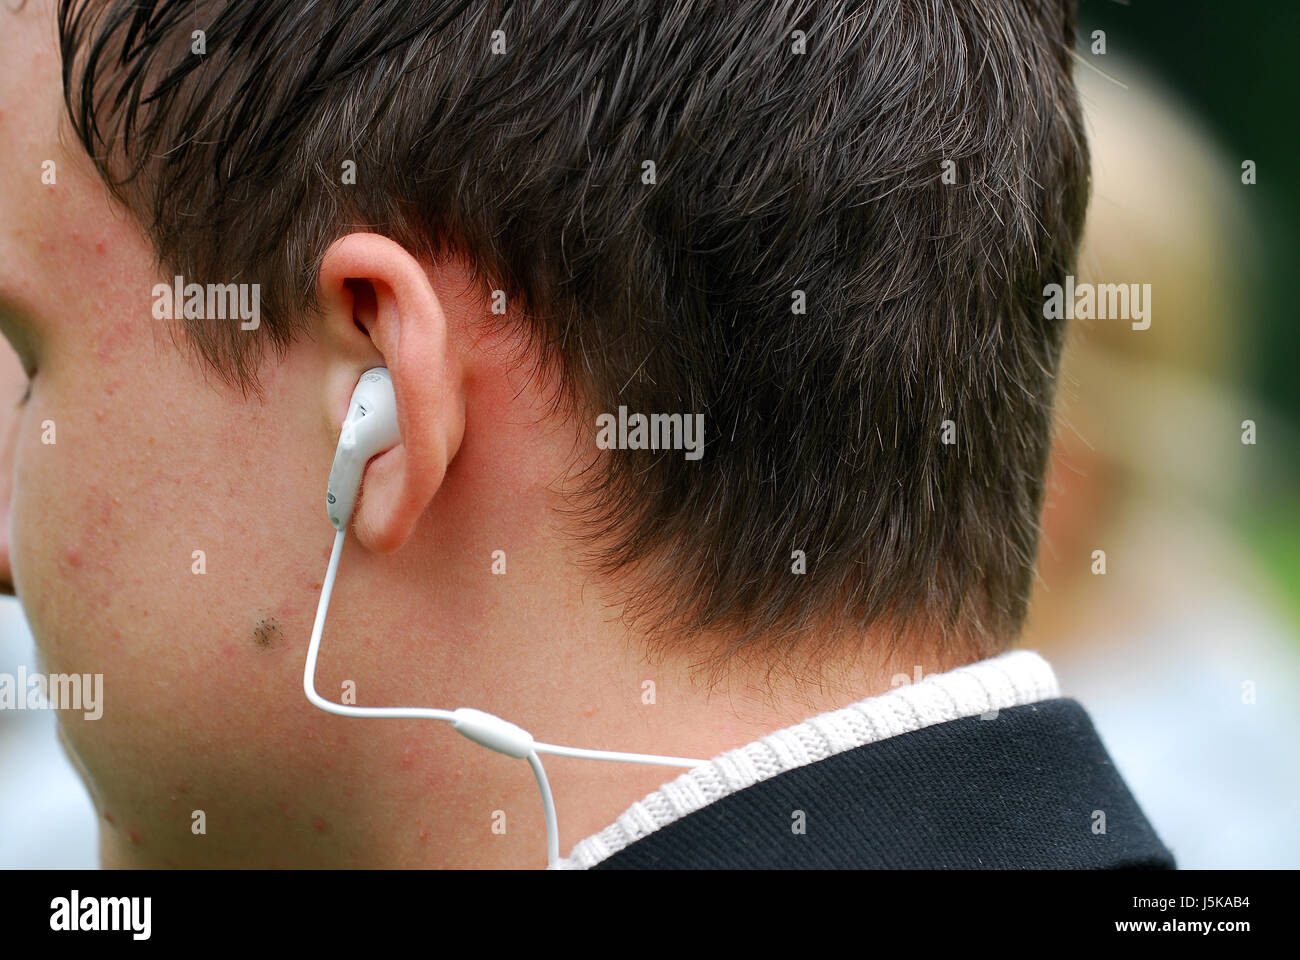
[(484, 729)]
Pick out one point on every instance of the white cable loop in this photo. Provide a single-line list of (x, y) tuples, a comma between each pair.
[(483, 728)]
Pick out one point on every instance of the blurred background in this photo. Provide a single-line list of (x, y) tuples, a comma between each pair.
[(1186, 651)]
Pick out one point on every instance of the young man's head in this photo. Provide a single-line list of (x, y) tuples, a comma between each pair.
[(716, 331)]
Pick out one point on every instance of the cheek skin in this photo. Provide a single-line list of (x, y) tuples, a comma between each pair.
[(201, 672), (152, 462), (201, 697)]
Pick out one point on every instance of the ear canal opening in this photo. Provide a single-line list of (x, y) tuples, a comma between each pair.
[(364, 302)]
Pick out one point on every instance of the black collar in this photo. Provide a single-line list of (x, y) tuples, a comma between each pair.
[(1033, 788)]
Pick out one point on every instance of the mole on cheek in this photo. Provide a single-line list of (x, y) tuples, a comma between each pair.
[(267, 633)]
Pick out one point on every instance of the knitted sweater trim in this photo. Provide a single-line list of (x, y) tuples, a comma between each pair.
[(1012, 679)]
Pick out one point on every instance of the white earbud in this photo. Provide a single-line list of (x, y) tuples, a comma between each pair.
[(369, 429)]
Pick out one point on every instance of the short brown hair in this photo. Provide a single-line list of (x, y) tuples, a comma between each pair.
[(795, 148)]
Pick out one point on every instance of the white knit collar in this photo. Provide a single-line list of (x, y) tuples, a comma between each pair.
[(1009, 680)]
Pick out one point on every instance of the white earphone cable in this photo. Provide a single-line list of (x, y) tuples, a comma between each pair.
[(483, 728), (548, 807)]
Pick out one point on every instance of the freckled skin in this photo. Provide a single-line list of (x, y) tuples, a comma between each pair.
[(152, 461)]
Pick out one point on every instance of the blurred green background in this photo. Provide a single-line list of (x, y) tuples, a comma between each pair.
[(1232, 67)]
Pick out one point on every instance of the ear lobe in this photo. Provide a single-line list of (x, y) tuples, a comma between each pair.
[(377, 298), (389, 503)]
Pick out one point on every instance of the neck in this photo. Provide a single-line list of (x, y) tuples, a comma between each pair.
[(432, 625)]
